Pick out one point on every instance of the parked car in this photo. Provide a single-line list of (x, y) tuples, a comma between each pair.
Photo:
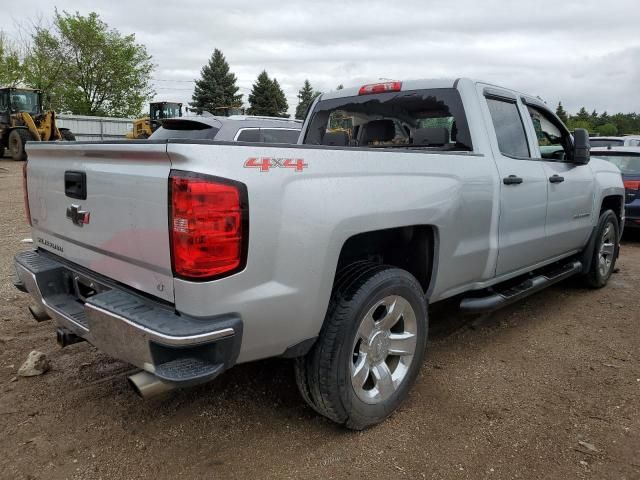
[(627, 159), (236, 128), (185, 257), (624, 141)]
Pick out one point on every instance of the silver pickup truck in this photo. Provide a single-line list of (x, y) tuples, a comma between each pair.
[(185, 257)]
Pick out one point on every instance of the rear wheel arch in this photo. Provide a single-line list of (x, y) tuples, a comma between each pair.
[(412, 248)]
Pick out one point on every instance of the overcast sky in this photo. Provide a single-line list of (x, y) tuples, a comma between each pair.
[(580, 52)]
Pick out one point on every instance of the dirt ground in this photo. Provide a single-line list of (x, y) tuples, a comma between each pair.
[(547, 388)]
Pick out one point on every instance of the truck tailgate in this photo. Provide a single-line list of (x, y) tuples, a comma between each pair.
[(120, 229)]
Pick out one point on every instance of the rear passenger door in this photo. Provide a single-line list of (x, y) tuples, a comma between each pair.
[(523, 184), (570, 185)]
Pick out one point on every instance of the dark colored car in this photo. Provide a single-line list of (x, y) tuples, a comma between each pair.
[(627, 159)]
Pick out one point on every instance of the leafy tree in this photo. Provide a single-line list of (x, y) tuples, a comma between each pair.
[(11, 71), (267, 98), (306, 96), (44, 67), (216, 87), (562, 114), (92, 69), (607, 129)]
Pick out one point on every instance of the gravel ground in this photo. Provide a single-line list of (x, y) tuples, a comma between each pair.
[(547, 388)]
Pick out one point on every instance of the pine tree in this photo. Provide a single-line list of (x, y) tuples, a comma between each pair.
[(340, 87), (267, 98), (583, 115), (281, 100), (562, 114), (216, 87), (306, 96)]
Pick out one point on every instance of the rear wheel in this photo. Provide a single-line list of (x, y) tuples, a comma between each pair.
[(17, 140), (370, 348), (67, 135), (605, 252)]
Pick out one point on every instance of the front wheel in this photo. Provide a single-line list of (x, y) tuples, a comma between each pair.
[(17, 141), (370, 348), (605, 252)]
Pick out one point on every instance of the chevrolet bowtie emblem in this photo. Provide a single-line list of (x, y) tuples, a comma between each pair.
[(77, 216)]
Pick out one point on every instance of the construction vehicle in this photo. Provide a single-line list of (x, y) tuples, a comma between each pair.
[(145, 126), (22, 120)]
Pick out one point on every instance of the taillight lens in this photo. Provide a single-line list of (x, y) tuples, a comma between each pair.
[(25, 193), (632, 189), (380, 88), (208, 224)]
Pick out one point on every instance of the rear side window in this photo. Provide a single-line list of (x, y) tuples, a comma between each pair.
[(249, 135), (279, 135), (431, 119), (268, 135), (509, 128)]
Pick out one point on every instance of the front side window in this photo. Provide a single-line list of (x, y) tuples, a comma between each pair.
[(512, 140), (554, 141), (432, 119)]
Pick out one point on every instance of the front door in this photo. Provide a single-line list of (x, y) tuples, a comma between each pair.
[(571, 186)]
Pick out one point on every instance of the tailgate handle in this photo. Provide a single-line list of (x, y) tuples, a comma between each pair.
[(75, 184)]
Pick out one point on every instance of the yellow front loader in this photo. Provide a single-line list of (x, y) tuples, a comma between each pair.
[(145, 126), (23, 120)]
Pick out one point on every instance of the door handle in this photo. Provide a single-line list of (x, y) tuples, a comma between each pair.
[(556, 178), (512, 180)]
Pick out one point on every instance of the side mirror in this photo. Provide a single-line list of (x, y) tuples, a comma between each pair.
[(581, 146)]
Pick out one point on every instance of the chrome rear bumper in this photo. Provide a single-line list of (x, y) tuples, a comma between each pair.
[(150, 335)]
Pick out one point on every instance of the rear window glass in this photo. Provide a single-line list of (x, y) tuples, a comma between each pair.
[(605, 143), (431, 119), (185, 130), (628, 164)]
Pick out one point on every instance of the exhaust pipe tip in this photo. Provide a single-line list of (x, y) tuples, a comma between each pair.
[(146, 385)]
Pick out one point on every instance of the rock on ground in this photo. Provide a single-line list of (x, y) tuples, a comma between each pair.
[(37, 363)]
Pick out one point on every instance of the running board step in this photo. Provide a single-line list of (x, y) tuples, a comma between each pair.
[(499, 298)]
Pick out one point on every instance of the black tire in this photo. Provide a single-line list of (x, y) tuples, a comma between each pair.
[(324, 375), (67, 135), (17, 140), (605, 252)]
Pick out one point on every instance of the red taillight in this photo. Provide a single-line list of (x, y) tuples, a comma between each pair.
[(632, 184), (25, 193), (380, 88), (208, 224)]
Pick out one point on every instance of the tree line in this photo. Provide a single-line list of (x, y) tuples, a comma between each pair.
[(217, 89), (600, 124)]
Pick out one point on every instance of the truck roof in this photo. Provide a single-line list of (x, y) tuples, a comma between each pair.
[(425, 83)]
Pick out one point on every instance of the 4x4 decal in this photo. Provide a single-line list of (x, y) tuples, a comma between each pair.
[(267, 163)]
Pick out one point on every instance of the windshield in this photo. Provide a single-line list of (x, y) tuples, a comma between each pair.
[(427, 119), (25, 101), (604, 142), (628, 164)]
